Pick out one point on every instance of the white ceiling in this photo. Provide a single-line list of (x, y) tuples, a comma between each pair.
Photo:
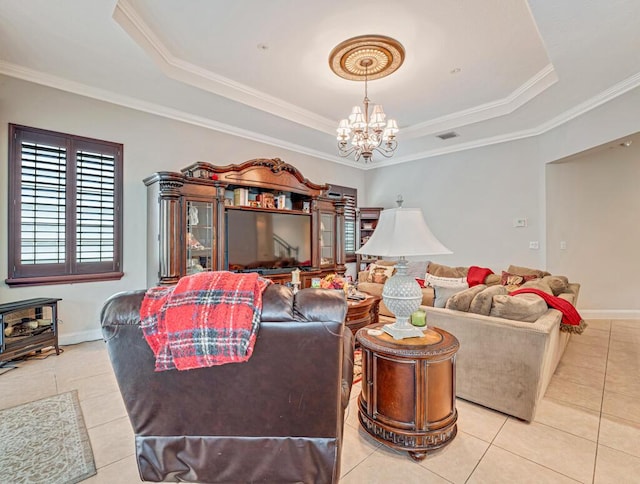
[(259, 69)]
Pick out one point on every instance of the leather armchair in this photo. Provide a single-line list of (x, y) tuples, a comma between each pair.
[(276, 418)]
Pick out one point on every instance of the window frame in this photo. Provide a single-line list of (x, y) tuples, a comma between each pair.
[(70, 270)]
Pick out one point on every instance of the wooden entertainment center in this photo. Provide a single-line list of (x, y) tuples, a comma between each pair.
[(210, 218)]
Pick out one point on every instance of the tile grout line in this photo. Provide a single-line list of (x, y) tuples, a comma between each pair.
[(606, 365), (487, 449)]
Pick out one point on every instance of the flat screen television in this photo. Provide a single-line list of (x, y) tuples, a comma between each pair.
[(259, 240)]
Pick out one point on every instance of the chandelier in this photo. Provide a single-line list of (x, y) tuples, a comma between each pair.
[(363, 58)]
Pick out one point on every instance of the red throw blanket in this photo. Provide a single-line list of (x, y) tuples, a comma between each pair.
[(207, 319), (571, 322), (477, 275)]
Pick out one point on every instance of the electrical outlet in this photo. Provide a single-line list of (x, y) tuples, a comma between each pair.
[(534, 244), (563, 245)]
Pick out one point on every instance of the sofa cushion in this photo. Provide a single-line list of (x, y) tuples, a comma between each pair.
[(523, 307), (379, 273), (432, 280), (462, 300), (493, 279), (525, 271), (513, 281), (442, 294), (540, 284), (558, 284), (481, 304), (446, 271)]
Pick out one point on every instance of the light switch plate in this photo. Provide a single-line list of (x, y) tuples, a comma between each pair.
[(519, 222)]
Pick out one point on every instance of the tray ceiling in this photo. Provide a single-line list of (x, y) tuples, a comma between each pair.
[(490, 71)]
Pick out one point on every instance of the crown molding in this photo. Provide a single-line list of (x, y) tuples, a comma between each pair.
[(55, 82), (527, 91), (178, 69), (135, 26), (20, 72), (602, 98)]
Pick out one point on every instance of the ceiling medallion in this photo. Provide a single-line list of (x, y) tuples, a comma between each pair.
[(366, 58), (373, 56)]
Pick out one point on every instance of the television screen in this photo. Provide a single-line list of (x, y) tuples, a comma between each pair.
[(267, 240)]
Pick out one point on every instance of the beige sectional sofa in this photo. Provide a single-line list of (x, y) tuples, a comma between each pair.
[(503, 364)]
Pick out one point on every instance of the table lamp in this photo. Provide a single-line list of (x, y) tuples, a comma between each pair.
[(402, 232)]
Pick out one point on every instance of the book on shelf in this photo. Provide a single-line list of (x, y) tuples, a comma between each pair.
[(241, 196)]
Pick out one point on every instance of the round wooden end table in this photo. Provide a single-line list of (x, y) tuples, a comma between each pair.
[(362, 313), (408, 397)]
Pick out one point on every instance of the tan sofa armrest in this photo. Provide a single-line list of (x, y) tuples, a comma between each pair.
[(362, 276)]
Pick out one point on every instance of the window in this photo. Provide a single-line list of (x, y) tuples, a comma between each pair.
[(350, 196), (65, 215)]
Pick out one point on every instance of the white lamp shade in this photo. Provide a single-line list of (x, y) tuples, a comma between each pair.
[(402, 232)]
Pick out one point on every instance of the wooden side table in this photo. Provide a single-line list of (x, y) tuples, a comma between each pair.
[(408, 397), (362, 313)]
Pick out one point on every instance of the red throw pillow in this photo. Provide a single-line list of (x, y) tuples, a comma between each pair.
[(420, 282)]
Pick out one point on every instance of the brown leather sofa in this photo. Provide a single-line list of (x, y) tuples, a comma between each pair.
[(276, 418)]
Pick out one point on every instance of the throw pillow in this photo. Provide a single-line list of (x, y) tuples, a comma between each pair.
[(514, 281), (432, 280), (523, 307), (481, 304), (446, 271), (462, 300), (558, 284), (538, 284), (525, 271), (420, 282), (442, 294), (379, 273)]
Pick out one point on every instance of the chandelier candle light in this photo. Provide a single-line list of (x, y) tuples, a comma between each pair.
[(367, 57), (402, 232)]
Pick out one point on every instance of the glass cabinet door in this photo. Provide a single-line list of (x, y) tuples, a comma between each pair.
[(327, 238), (200, 237)]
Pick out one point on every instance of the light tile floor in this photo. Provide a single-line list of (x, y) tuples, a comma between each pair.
[(587, 428)]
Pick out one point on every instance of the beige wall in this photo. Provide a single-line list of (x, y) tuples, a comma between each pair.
[(470, 198), (151, 143), (595, 203)]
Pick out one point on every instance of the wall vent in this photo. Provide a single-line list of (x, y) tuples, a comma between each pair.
[(450, 134)]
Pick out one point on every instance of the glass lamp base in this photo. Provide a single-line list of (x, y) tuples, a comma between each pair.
[(402, 331)]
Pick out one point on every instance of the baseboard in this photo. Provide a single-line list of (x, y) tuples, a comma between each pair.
[(79, 337), (610, 313)]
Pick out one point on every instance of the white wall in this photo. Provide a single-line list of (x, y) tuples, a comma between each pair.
[(470, 198), (151, 144)]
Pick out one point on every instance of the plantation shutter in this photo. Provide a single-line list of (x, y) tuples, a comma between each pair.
[(65, 194), (42, 203), (350, 196), (95, 209)]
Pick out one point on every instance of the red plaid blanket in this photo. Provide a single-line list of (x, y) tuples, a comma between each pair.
[(207, 319)]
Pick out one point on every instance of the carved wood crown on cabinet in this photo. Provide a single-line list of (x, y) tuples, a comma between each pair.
[(172, 196)]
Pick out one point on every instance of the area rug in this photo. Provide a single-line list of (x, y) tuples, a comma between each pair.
[(45, 441), (357, 366)]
